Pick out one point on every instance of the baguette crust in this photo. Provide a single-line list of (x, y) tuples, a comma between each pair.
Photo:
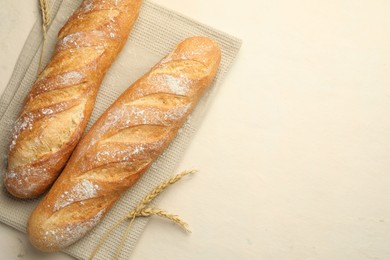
[(123, 143), (60, 103)]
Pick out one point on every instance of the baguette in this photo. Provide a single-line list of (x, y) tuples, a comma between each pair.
[(123, 143), (58, 107)]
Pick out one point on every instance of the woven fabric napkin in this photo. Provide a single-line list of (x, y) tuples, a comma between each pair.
[(156, 33)]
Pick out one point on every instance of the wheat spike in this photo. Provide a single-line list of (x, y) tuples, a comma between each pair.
[(141, 210), (44, 6)]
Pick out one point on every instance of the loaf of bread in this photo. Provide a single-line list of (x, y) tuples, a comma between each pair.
[(60, 103), (123, 143)]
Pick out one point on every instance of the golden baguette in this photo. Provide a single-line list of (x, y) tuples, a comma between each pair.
[(60, 103), (123, 143)]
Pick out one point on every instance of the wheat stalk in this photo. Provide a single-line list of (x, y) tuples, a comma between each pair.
[(160, 188), (141, 211), (45, 13), (161, 213)]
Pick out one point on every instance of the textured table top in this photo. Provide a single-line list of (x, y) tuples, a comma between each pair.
[(294, 152)]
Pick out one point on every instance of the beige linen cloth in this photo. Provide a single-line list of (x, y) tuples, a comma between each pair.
[(156, 32)]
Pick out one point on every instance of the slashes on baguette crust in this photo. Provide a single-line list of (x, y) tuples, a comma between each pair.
[(60, 103), (123, 143)]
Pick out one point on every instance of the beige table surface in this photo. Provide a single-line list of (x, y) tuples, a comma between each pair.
[(295, 150)]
